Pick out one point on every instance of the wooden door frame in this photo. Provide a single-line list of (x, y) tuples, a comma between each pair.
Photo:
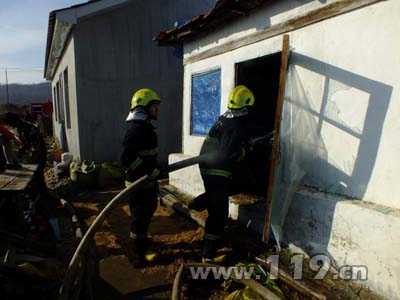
[(278, 117), (275, 146)]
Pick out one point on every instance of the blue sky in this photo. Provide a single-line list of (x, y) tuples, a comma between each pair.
[(23, 33)]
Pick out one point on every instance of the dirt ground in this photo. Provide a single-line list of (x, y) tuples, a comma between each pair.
[(176, 237)]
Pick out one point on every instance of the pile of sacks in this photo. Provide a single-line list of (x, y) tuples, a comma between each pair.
[(87, 173)]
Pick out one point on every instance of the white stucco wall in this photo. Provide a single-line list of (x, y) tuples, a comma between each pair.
[(354, 233), (348, 66), (68, 61), (274, 13)]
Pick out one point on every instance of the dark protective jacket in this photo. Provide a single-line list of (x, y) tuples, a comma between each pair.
[(228, 138), (32, 139), (140, 150)]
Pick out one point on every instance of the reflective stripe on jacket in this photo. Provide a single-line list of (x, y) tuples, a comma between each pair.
[(227, 137)]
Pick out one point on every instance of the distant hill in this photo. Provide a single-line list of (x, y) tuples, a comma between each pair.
[(25, 93)]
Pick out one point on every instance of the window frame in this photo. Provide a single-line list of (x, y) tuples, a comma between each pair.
[(55, 101), (197, 74), (67, 110)]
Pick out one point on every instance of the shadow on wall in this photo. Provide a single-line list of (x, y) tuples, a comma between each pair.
[(346, 113), (349, 118)]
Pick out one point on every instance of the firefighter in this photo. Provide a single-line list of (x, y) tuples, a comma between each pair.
[(33, 145), (228, 138), (139, 156)]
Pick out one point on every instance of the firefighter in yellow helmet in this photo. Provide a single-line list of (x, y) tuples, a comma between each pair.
[(139, 156), (228, 137)]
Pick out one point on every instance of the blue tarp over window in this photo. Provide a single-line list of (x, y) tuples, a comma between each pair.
[(206, 101)]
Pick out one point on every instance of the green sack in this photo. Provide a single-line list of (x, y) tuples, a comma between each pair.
[(83, 173), (244, 294), (110, 173)]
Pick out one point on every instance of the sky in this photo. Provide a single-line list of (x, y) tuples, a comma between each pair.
[(23, 34)]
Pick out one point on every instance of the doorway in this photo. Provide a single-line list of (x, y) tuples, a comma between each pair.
[(261, 76)]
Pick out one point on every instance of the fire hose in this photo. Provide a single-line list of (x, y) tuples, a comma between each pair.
[(73, 266)]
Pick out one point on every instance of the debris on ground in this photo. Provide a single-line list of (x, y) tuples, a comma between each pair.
[(178, 239), (175, 233)]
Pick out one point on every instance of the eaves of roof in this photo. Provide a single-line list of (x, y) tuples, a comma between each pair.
[(223, 12), (51, 28)]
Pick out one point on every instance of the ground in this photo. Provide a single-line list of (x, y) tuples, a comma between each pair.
[(178, 239)]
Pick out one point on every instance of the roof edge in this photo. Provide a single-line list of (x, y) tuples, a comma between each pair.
[(224, 11), (79, 11)]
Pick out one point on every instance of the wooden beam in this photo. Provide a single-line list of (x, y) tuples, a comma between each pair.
[(325, 12), (261, 290), (182, 273), (278, 117), (298, 285), (177, 205)]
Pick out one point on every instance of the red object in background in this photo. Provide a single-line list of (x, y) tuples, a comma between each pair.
[(43, 108), (6, 133)]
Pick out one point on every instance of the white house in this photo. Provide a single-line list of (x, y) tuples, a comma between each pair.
[(100, 52), (336, 188)]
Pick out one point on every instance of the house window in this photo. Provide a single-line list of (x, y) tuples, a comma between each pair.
[(66, 99), (61, 98), (206, 101), (55, 100), (58, 90)]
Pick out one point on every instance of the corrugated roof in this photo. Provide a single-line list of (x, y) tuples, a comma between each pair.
[(223, 12)]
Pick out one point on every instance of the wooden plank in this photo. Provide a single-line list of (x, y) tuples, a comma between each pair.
[(177, 193), (246, 199), (180, 277), (278, 117), (239, 199), (325, 12), (181, 207), (5, 180), (17, 180), (263, 291), (298, 285)]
